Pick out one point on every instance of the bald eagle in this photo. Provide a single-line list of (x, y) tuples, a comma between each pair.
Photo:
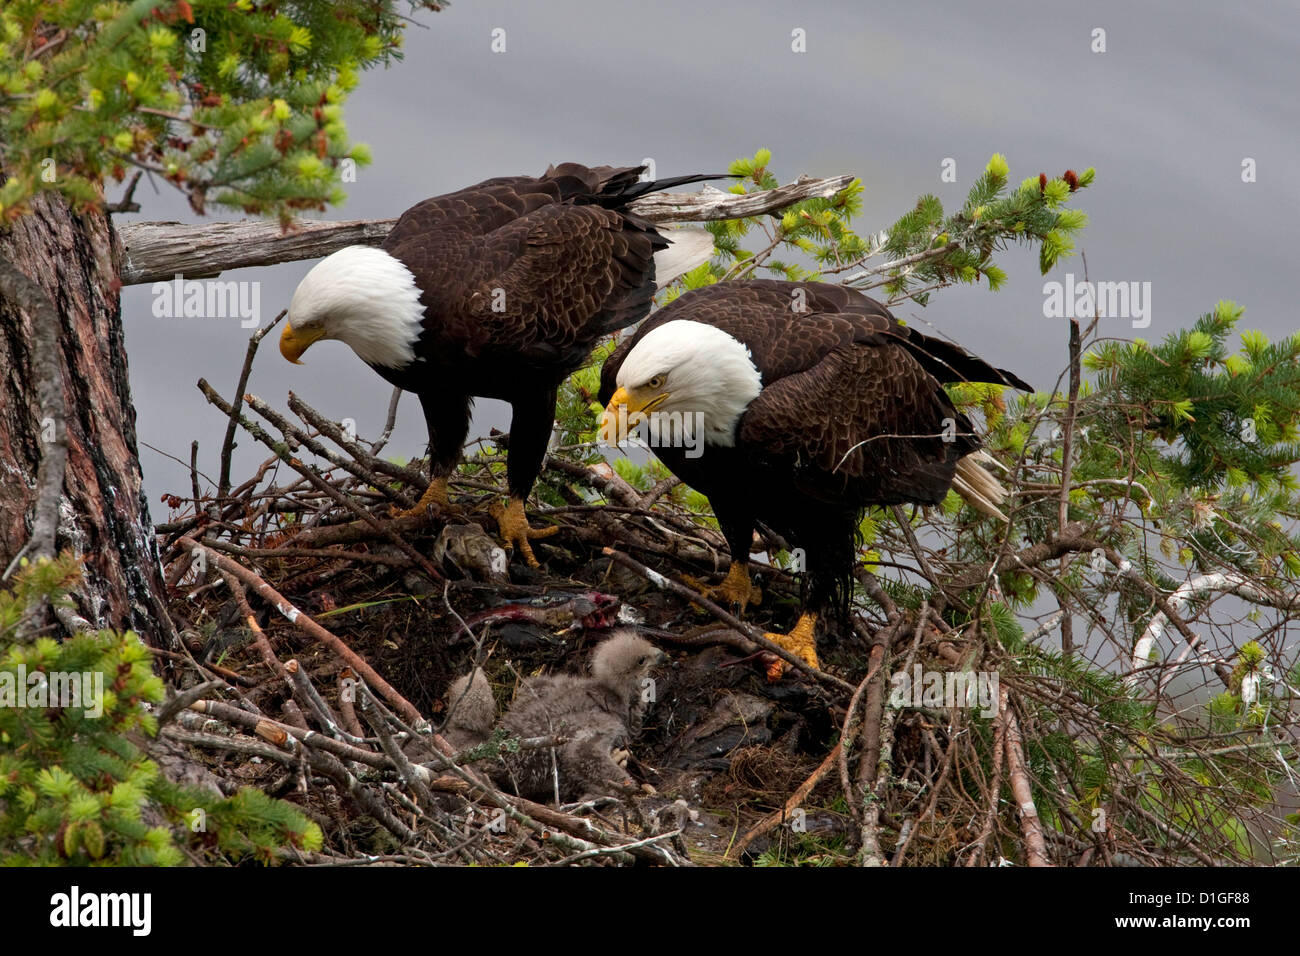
[(798, 406), (499, 290)]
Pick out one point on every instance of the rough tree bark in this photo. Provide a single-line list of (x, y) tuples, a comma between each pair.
[(103, 516)]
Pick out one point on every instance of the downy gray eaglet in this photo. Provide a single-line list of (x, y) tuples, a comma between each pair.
[(598, 714), (471, 711)]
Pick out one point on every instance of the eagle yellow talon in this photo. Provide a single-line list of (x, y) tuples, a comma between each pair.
[(736, 588), (435, 494), (515, 530), (801, 641)]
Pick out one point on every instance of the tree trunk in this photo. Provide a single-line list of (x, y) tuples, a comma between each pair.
[(103, 517)]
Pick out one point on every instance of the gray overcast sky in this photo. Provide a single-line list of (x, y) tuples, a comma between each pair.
[(886, 91)]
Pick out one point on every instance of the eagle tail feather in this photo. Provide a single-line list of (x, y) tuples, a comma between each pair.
[(687, 249), (978, 486), (625, 192), (952, 363)]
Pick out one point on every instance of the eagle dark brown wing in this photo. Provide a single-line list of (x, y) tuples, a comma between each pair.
[(866, 423), (535, 269), (519, 266)]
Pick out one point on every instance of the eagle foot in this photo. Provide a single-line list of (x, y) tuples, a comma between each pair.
[(736, 588), (435, 495), (801, 642), (515, 530)]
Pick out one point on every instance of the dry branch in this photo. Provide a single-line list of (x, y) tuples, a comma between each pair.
[(310, 474), (295, 616), (159, 251), (1030, 825), (228, 443), (751, 632)]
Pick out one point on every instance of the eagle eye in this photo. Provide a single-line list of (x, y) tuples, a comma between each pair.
[(656, 382)]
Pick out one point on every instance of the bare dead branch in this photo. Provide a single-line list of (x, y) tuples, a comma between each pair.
[(311, 628), (160, 251), (227, 443), (1030, 825)]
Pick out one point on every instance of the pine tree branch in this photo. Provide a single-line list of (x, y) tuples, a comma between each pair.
[(1228, 582), (859, 280), (160, 251), (1047, 550)]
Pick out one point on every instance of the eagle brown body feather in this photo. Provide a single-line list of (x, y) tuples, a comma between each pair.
[(852, 413)]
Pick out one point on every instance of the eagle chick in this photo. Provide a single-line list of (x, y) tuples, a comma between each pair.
[(471, 710), (598, 715)]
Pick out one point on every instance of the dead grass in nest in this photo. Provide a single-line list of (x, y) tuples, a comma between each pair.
[(761, 775)]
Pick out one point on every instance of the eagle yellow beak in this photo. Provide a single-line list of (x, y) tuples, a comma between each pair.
[(624, 412), (613, 424), (293, 342)]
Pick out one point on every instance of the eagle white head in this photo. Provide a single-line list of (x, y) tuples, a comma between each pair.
[(359, 295), (687, 369)]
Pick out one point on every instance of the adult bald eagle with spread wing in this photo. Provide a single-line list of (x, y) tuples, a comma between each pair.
[(499, 290), (814, 403)]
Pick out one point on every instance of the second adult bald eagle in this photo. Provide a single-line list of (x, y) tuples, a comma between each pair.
[(499, 290), (813, 403)]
